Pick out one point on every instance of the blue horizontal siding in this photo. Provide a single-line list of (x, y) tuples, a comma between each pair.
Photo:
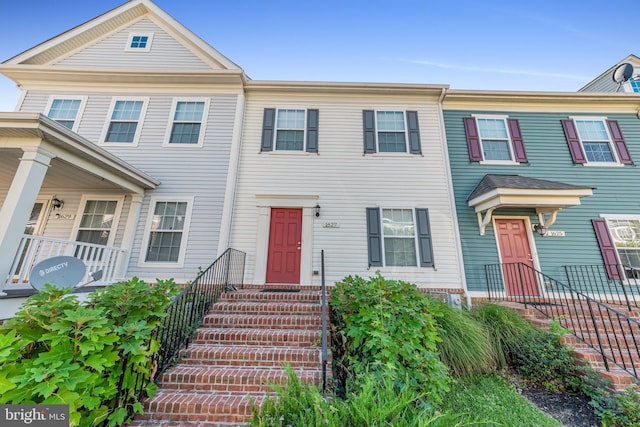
[(617, 191)]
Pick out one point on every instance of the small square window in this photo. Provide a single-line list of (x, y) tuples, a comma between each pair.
[(139, 42)]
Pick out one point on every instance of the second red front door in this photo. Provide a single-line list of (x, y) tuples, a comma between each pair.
[(515, 252), (285, 239)]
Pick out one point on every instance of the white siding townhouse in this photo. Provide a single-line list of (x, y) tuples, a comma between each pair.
[(142, 150)]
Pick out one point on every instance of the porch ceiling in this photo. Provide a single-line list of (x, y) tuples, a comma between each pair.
[(77, 162), (61, 175)]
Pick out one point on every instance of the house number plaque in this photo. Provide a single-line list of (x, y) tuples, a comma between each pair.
[(331, 225)]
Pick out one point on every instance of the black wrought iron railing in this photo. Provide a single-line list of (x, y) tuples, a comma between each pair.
[(325, 351), (611, 284), (613, 334), (183, 316)]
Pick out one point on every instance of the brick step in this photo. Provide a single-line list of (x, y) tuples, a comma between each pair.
[(246, 355), (624, 342), (258, 295), (264, 321), (245, 379), (276, 308), (217, 408), (587, 325), (272, 337)]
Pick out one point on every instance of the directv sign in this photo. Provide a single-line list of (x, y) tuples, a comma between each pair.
[(62, 271)]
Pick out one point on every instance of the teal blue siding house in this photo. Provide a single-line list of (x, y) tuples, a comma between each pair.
[(546, 180)]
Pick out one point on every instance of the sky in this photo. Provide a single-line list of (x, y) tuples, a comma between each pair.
[(542, 45)]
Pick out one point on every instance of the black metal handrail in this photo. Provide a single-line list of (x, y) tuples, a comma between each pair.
[(612, 284), (182, 317), (325, 352), (615, 335)]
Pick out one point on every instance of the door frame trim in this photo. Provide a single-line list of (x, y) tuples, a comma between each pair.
[(530, 237), (264, 203)]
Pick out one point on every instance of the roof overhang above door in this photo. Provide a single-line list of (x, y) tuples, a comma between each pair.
[(515, 191)]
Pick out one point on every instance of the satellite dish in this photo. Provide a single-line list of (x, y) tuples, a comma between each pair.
[(62, 271), (622, 73)]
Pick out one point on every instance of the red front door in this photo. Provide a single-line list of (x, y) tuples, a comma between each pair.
[(513, 243), (285, 238)]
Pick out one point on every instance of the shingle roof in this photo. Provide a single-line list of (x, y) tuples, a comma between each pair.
[(491, 182)]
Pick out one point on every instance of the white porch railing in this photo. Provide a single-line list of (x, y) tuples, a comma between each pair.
[(34, 249)]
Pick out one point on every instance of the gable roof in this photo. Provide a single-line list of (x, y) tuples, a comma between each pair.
[(492, 182), (43, 55), (633, 59)]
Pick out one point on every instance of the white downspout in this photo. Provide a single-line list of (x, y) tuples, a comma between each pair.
[(452, 201), (232, 177)]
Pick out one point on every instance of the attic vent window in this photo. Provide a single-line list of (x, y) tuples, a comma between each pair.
[(139, 42)]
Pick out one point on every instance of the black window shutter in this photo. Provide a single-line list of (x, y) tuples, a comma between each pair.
[(268, 129), (414, 133), (473, 139), (618, 141), (424, 238), (312, 131), (369, 127), (516, 140), (374, 237), (571, 134), (607, 248)]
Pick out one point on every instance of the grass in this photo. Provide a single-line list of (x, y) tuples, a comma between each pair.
[(492, 400)]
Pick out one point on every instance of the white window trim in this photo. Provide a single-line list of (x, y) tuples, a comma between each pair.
[(406, 132), (415, 238), (203, 123), (275, 136), (116, 216), (612, 147), (128, 47), (76, 121), (136, 137), (147, 233), (504, 118)]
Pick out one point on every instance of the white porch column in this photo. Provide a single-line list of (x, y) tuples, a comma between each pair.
[(129, 234), (18, 204)]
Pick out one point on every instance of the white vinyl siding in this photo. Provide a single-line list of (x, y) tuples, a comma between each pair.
[(166, 52), (345, 183)]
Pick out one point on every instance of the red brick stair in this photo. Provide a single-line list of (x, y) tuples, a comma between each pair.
[(615, 337), (238, 351)]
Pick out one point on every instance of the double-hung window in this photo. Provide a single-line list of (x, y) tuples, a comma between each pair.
[(96, 225), (391, 132), (188, 123), (66, 111), (124, 125), (596, 141), (290, 130), (399, 237), (166, 234), (618, 237), (494, 139)]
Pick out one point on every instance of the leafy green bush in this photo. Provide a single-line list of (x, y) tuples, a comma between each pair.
[(614, 408), (380, 402), (387, 327), (466, 346), (58, 350)]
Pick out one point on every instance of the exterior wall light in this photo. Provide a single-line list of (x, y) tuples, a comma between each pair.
[(317, 208), (56, 203), (540, 229)]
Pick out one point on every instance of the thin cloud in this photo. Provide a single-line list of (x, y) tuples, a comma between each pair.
[(510, 71)]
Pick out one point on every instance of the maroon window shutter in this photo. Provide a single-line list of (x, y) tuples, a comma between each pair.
[(607, 248), (571, 133), (618, 142), (516, 140), (473, 139)]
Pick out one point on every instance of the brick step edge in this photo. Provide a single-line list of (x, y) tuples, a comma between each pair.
[(258, 356)]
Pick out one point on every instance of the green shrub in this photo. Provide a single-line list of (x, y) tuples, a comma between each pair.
[(380, 402), (58, 350), (466, 346), (387, 327), (614, 408)]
